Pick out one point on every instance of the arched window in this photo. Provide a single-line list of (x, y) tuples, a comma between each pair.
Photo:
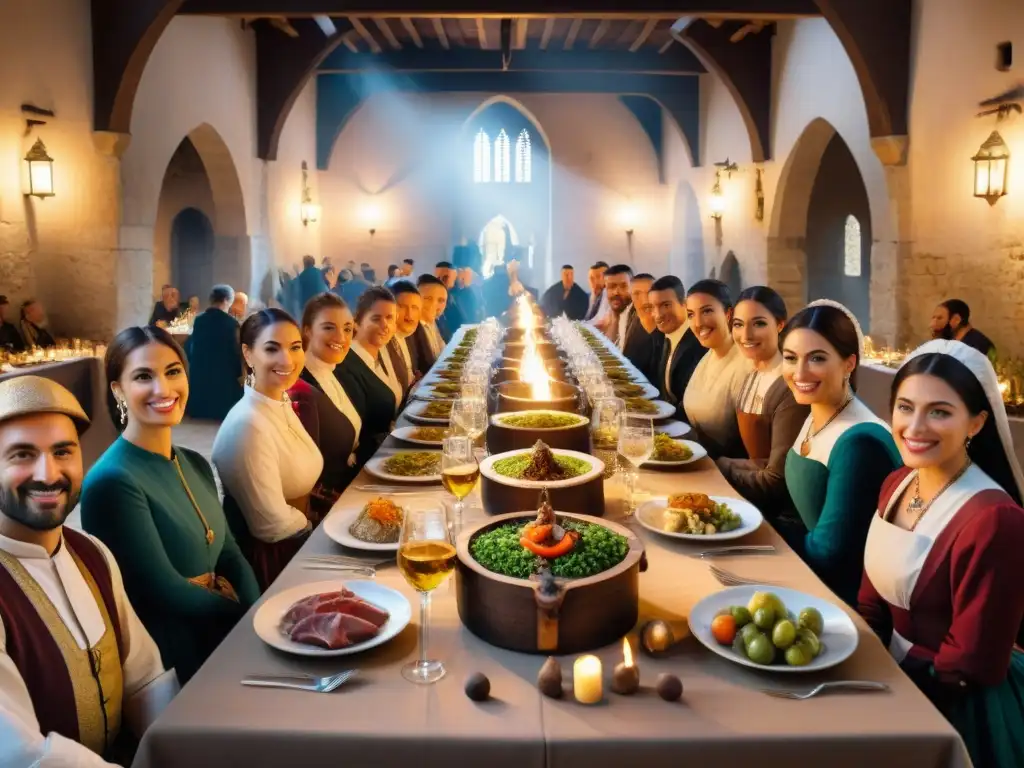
[(524, 161), (482, 157), (501, 157), (851, 248)]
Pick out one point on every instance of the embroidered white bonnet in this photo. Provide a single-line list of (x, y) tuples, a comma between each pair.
[(849, 314), (979, 365)]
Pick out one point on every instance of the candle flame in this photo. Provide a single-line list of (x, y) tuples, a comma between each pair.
[(532, 369), (627, 652), (1004, 385)]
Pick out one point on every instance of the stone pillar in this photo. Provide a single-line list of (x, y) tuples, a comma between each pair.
[(787, 270), (134, 274), (893, 298)]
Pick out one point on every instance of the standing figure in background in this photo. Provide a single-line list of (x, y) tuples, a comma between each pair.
[(311, 281), (215, 358), (565, 297)]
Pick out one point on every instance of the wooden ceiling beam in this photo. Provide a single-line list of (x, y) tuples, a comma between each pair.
[(414, 35), (481, 34), (522, 33), (349, 40), (365, 34), (599, 33), (385, 29), (441, 36), (545, 38), (470, 9), (644, 34), (574, 30)]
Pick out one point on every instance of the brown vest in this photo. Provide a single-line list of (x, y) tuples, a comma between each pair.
[(76, 693)]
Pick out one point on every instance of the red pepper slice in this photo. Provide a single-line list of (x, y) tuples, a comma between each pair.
[(537, 533), (562, 547)]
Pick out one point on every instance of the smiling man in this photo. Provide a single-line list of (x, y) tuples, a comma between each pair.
[(74, 656), (435, 297), (677, 348)]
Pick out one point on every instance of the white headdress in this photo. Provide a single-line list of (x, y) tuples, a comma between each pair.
[(979, 365), (849, 314)]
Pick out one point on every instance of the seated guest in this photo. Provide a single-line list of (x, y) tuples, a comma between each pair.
[(410, 339), (675, 345), (595, 276), (33, 321), (951, 320), (565, 297), (713, 395), (322, 404), (468, 296), (638, 343), (368, 376), (769, 417), (76, 664), (351, 287), (215, 359), (10, 336), (311, 281), (620, 303), (266, 460), (453, 317), (435, 297), (167, 310), (842, 454), (239, 306), (156, 506), (393, 275), (941, 584), (193, 305)]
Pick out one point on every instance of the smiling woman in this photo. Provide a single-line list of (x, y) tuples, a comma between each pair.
[(267, 461), (156, 507)]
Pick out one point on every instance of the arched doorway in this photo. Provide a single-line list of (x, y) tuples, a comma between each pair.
[(200, 236), (820, 189), (496, 239), (687, 259), (503, 169)]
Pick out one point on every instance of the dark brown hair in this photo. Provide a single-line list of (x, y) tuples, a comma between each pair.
[(255, 323), (318, 304), (836, 328), (126, 342), (370, 297)]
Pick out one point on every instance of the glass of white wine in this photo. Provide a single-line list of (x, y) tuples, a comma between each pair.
[(469, 417), (460, 472), (636, 444), (604, 431), (426, 558)]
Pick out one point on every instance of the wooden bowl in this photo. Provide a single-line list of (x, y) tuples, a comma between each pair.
[(503, 437), (582, 495), (579, 615), (518, 396)]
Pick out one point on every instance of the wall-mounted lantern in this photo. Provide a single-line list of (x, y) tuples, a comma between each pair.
[(717, 202), (990, 166), (309, 210), (627, 218), (40, 171)]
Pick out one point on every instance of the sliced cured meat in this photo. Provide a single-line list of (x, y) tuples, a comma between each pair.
[(355, 606), (307, 606), (332, 630)]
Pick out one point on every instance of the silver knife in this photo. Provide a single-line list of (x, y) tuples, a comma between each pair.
[(743, 549)]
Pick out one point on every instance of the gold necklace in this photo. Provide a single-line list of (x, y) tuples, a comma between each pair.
[(210, 536), (805, 446), (918, 506)]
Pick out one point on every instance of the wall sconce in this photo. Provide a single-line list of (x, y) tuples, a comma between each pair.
[(717, 202), (371, 217), (990, 166), (309, 210), (40, 171), (628, 218)]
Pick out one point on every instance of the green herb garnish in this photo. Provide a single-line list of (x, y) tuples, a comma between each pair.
[(598, 549)]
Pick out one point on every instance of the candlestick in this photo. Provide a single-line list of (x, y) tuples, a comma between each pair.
[(586, 680), (626, 675)]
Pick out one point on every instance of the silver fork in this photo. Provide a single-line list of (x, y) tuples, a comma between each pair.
[(347, 560), (730, 579), (845, 685), (315, 684), (744, 549), (359, 570)]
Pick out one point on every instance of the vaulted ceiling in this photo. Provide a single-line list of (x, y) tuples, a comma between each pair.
[(645, 48)]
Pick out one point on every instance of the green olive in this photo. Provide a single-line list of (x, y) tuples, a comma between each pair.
[(784, 634), (810, 618), (810, 639), (741, 615), (798, 655), (749, 632), (764, 617), (760, 650)]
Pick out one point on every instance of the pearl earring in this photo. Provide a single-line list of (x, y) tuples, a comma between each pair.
[(122, 411), (250, 379)]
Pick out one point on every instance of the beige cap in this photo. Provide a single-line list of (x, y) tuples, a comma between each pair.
[(26, 395)]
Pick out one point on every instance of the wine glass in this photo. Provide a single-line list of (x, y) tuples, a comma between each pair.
[(460, 472), (426, 557), (636, 444), (604, 431), (469, 417)]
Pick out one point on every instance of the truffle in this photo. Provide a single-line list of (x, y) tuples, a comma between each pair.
[(669, 687), (478, 687)]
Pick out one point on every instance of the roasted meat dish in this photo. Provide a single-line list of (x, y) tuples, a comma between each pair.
[(333, 620)]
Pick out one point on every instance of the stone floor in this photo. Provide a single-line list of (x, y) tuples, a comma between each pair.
[(194, 434)]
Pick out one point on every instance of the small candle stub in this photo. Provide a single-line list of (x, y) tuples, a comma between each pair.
[(626, 675), (669, 687), (586, 680)]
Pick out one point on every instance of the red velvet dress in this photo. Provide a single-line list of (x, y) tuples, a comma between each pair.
[(948, 600)]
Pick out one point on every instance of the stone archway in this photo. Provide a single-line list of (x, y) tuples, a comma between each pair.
[(201, 175), (687, 255)]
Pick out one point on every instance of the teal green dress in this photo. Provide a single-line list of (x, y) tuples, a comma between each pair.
[(137, 503), (835, 491)]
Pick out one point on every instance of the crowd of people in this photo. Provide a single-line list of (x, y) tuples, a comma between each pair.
[(917, 525)]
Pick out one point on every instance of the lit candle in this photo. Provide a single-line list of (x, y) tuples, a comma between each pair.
[(626, 675), (586, 679)]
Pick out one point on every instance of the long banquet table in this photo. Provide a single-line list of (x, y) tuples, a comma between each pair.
[(381, 720)]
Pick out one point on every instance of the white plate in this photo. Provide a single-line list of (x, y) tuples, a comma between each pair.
[(405, 434), (336, 526), (699, 452), (674, 428), (268, 616), (427, 392), (650, 391), (650, 515), (665, 410), (838, 640), (375, 467), (414, 411)]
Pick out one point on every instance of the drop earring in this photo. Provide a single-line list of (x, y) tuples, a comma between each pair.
[(250, 379), (122, 411), (967, 443)]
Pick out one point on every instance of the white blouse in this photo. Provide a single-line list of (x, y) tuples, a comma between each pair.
[(324, 375), (264, 457), (713, 394), (21, 742), (894, 557), (756, 386), (386, 374)]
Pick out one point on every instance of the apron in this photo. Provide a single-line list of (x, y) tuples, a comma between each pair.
[(756, 433)]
